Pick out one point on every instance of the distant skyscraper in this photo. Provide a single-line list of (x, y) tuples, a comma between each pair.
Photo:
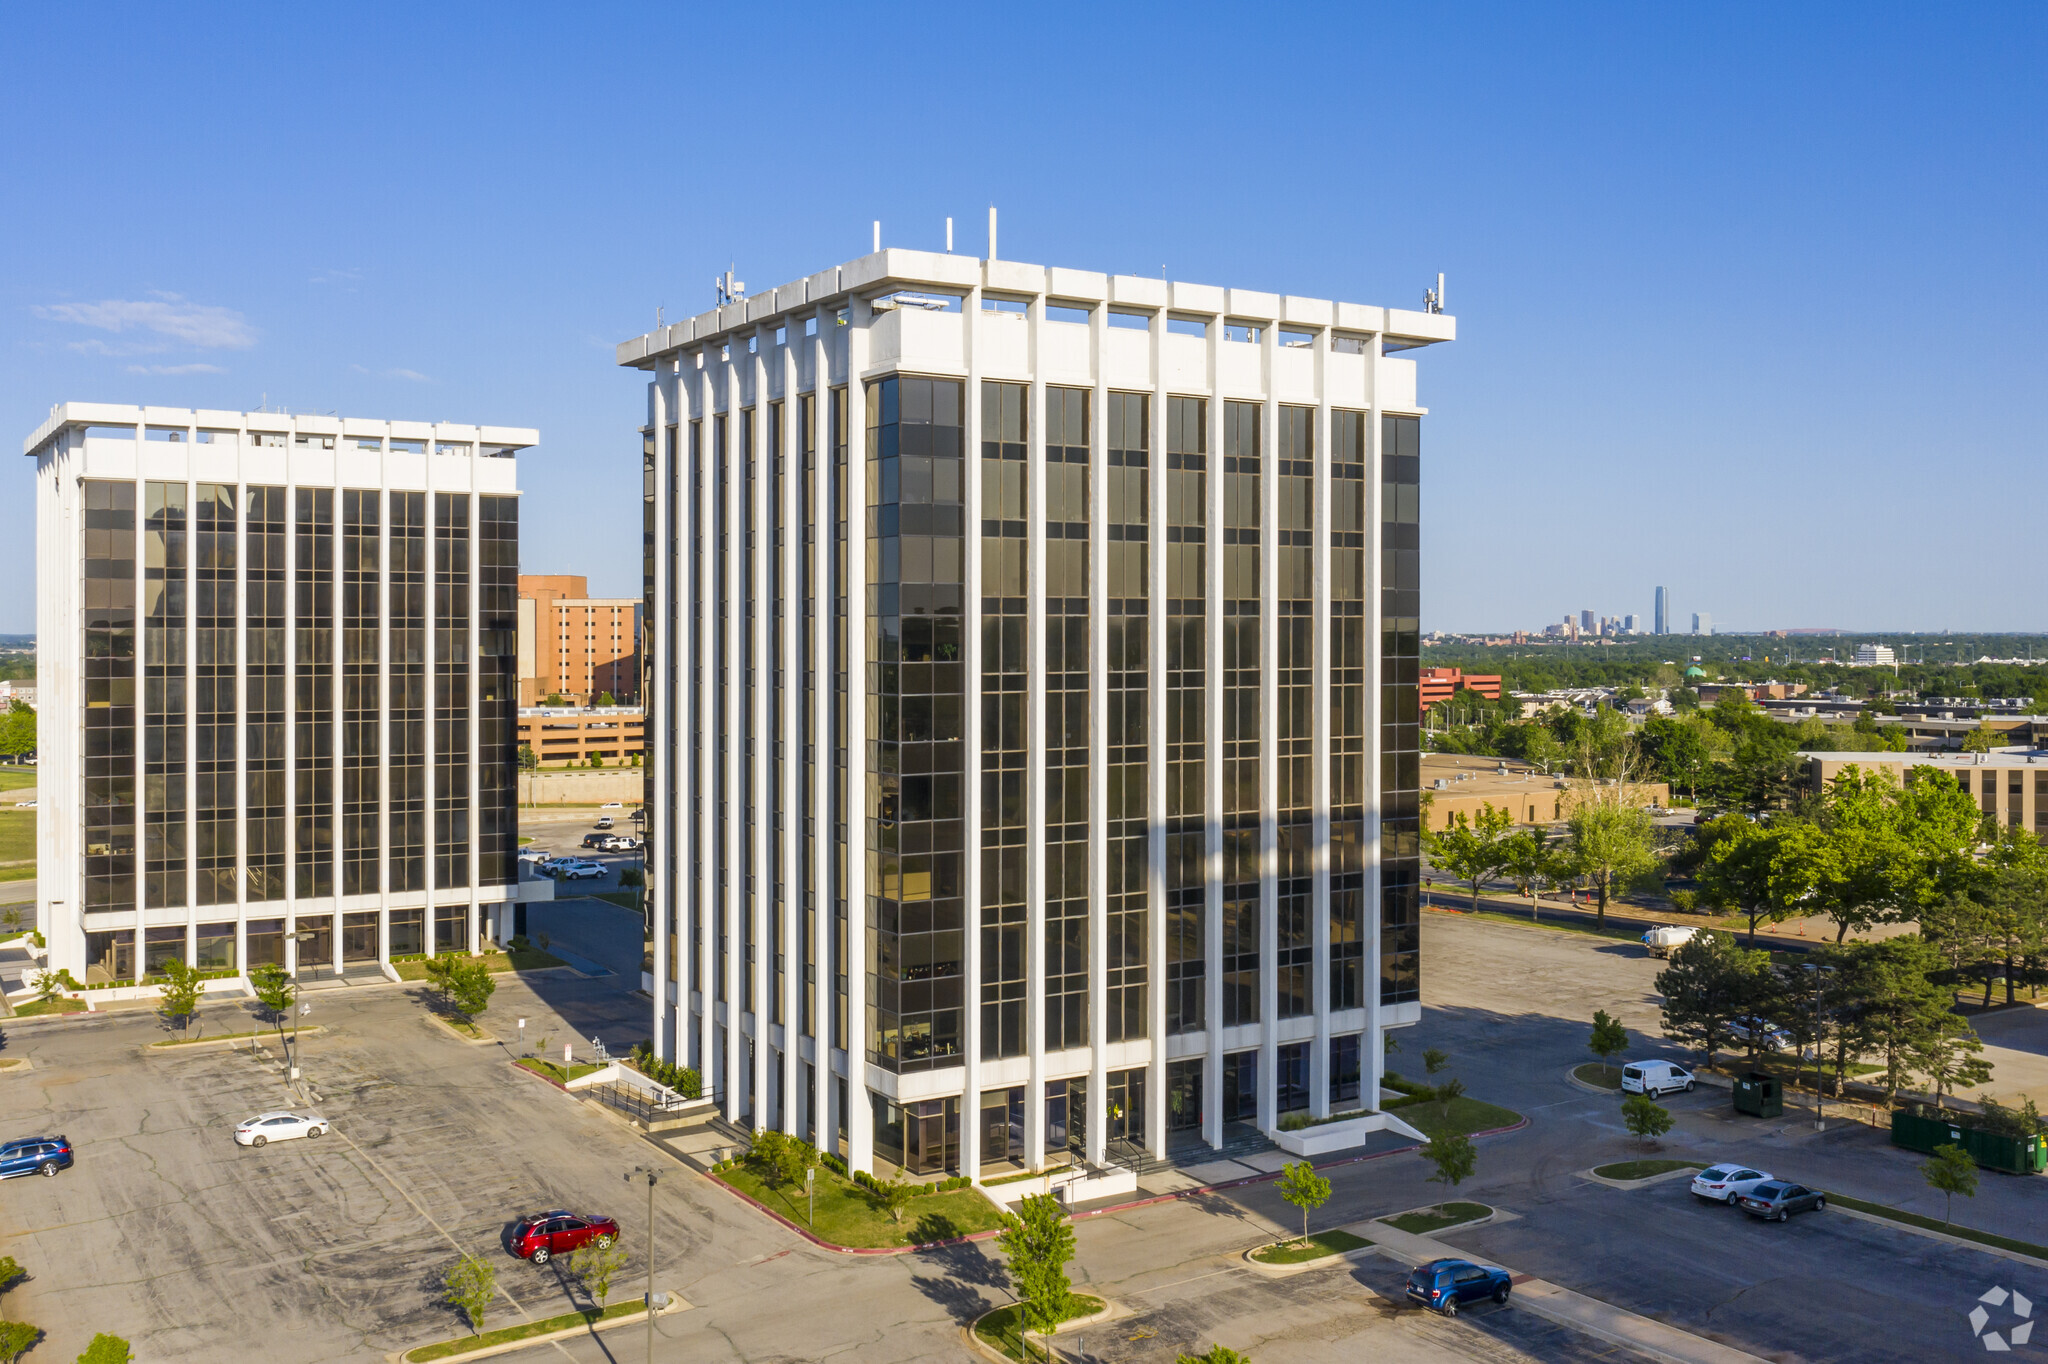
[(1702, 623), (1586, 621), (1628, 623), (1663, 618)]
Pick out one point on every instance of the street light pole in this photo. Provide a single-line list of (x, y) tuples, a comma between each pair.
[(651, 1175), (300, 937)]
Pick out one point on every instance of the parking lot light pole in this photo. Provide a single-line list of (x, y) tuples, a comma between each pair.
[(651, 1176), (1820, 1093), (300, 938)]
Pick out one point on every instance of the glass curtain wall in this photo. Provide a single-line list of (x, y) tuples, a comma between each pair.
[(166, 565), (1066, 718), (1127, 946), (915, 911), (1349, 662), (214, 768), (263, 693), (362, 559), (452, 654), (1186, 592), (1293, 688), (498, 691), (405, 763), (1241, 679), (1400, 710), (313, 711), (1004, 570), (110, 810)]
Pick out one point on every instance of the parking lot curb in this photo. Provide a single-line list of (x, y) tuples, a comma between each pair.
[(1625, 1184), (164, 1048), (16, 1065), (487, 1040), (1963, 1241), (823, 1244), (676, 1303)]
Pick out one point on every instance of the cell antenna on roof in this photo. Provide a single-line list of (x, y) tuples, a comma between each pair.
[(1433, 299), (729, 290)]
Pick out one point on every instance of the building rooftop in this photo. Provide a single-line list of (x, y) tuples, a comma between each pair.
[(876, 276), (2003, 757), (162, 422)]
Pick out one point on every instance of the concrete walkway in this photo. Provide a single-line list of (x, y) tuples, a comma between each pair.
[(1652, 1339)]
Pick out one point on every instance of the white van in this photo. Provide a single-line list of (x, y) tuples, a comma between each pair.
[(1655, 1077)]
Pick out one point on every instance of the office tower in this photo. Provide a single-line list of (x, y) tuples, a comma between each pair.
[(1876, 654), (1662, 618), (1628, 624), (574, 645), (276, 660), (1586, 622), (1033, 670), (1702, 623)]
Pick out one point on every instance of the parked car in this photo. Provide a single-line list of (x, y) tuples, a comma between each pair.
[(594, 840), (1665, 939), (533, 855), (1776, 1200), (1443, 1284), (1725, 1183), (1655, 1078), (604, 821), (265, 1128), (544, 1235), (581, 871), (1770, 1037), (35, 1156), (554, 864), (613, 805)]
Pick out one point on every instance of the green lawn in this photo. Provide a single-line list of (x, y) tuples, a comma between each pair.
[(1913, 1219), (1642, 1169), (55, 1006), (624, 899), (14, 778), (846, 1217), (1620, 934), (1463, 1117), (553, 1069), (462, 1345), (1597, 1073), (1314, 1248), (520, 959), (1000, 1329), (1427, 1220), (17, 835)]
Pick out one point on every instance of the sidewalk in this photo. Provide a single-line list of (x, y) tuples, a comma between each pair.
[(1616, 1326)]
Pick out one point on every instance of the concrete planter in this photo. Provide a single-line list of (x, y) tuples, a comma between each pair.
[(1310, 1142), (1072, 1184)]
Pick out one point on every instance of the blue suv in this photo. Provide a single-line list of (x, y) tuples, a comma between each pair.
[(35, 1156), (1443, 1284)]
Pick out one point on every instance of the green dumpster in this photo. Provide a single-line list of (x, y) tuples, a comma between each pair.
[(1992, 1150), (1760, 1095)]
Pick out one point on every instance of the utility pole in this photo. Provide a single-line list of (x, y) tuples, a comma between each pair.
[(652, 1176)]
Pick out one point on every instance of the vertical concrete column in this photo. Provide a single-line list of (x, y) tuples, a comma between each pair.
[(824, 1092), (1319, 733), (970, 748), (1269, 729), (139, 877), (860, 1117), (760, 900), (1034, 740), (291, 710), (1098, 731), (1373, 1065), (384, 700), (472, 638), (241, 730), (702, 918), (1212, 717), (789, 695), (339, 709), (736, 698), (1155, 738), (661, 729)]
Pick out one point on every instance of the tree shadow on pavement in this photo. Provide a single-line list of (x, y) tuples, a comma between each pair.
[(967, 1281)]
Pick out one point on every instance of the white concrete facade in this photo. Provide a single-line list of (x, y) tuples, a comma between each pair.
[(263, 632), (922, 315)]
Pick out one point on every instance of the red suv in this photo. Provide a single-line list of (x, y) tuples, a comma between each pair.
[(544, 1235)]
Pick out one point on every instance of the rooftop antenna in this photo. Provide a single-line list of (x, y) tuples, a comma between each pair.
[(1433, 299), (991, 231), (878, 234), (949, 236), (729, 290), (657, 317)]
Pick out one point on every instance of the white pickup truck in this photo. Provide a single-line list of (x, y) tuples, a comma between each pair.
[(1667, 938)]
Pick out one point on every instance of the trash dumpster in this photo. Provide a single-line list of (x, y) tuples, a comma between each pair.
[(1992, 1150), (1760, 1095)]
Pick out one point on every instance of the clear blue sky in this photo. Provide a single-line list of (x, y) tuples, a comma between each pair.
[(1750, 300)]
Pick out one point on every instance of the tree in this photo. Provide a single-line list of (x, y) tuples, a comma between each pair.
[(528, 760), (1738, 869), (1305, 1189), (1952, 1172), (275, 991), (1645, 1117), (1609, 1039), (594, 1265), (596, 760), (1526, 864), (9, 1272), (1612, 842), (782, 1158), (1454, 1158), (1676, 752), (1216, 1354), (469, 1286), (181, 991), (50, 984), (1982, 739), (1473, 849), (895, 1195), (106, 1349), (1878, 852), (464, 982), (1949, 1056), (15, 1339), (1897, 1010), (18, 730), (605, 698), (11, 917), (1038, 1240), (1709, 983)]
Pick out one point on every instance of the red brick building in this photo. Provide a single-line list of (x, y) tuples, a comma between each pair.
[(1441, 684), (574, 645)]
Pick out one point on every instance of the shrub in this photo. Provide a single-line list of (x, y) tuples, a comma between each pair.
[(684, 1080), (470, 1284), (15, 1339), (106, 1349), (1645, 1117)]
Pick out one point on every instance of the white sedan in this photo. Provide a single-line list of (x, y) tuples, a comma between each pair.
[(280, 1126), (1726, 1183)]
